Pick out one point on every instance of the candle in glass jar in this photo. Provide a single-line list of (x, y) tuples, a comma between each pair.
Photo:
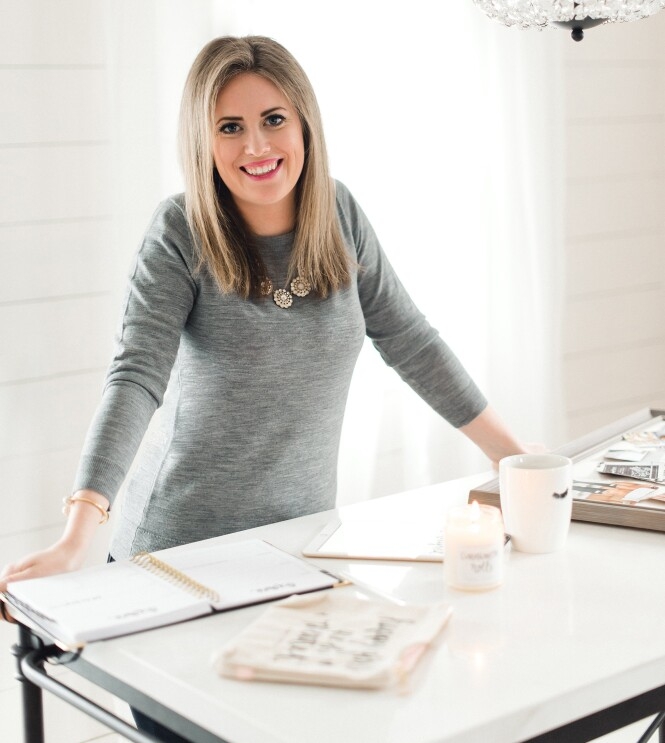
[(473, 547)]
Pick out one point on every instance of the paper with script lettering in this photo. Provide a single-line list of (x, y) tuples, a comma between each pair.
[(336, 639)]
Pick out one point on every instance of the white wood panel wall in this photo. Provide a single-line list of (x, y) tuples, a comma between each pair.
[(59, 272), (80, 176), (614, 335)]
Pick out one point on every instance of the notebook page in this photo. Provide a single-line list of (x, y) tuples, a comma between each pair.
[(250, 572)]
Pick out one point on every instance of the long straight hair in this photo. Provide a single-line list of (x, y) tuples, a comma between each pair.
[(225, 244)]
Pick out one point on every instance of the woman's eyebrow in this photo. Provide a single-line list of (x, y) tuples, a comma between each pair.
[(272, 110), (241, 118)]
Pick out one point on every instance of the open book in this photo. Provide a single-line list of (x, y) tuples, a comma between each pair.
[(146, 592)]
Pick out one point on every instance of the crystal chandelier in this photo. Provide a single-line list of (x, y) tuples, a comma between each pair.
[(576, 15)]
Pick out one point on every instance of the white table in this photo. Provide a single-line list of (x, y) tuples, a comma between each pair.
[(568, 635)]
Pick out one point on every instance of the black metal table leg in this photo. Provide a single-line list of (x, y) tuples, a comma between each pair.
[(31, 695), (657, 724), (33, 669)]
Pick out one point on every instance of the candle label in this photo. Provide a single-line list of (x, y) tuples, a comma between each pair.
[(478, 565)]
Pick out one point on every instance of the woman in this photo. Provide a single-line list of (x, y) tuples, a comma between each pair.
[(245, 313)]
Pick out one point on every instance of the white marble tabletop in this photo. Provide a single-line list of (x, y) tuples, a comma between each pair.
[(566, 635)]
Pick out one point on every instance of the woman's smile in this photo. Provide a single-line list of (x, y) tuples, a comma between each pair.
[(262, 170)]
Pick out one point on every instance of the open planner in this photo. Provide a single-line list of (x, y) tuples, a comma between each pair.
[(147, 591)]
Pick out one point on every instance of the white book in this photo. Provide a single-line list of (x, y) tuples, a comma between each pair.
[(419, 540), (145, 591)]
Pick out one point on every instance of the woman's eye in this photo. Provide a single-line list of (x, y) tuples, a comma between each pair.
[(275, 120), (229, 128)]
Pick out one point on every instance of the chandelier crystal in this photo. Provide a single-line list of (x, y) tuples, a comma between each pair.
[(576, 15)]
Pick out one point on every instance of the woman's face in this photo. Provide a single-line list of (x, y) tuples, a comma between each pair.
[(259, 152)]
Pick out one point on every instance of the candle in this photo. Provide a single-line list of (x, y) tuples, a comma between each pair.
[(473, 547)]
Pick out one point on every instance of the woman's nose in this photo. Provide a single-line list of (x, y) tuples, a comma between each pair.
[(256, 143)]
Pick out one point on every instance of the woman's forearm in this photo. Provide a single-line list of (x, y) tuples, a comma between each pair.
[(492, 436)]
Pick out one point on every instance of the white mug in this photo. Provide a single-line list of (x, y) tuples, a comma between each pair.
[(536, 494)]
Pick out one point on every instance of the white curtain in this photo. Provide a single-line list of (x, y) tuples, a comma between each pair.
[(444, 126)]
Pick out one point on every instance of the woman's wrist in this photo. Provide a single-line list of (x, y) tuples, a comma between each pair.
[(83, 519), (490, 434), (73, 500)]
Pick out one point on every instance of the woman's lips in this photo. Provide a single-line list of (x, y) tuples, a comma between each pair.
[(262, 169)]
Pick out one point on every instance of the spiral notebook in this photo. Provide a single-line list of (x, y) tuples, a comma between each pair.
[(148, 591)]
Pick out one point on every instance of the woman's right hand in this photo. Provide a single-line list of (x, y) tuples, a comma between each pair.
[(68, 553), (58, 558)]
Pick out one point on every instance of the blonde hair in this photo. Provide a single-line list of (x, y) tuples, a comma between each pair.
[(226, 247)]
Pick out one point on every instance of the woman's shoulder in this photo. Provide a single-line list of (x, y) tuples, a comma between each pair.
[(171, 210), (169, 220), (168, 230), (348, 209), (347, 205), (343, 196)]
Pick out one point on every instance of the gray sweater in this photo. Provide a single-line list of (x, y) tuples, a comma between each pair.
[(252, 396)]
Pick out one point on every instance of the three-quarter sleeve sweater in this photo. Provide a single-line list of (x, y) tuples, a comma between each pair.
[(252, 396)]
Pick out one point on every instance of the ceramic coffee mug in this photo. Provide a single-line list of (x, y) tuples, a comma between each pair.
[(536, 500)]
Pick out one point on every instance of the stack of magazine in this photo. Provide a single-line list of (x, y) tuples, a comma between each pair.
[(618, 474)]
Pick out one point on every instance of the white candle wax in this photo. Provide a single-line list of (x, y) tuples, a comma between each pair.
[(473, 547)]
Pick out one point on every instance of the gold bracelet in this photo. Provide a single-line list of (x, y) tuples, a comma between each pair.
[(70, 500)]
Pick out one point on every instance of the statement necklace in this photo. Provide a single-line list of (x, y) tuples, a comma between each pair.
[(283, 298)]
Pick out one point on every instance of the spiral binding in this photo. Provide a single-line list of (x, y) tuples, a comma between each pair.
[(166, 571)]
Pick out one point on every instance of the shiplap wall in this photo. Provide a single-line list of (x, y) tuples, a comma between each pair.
[(60, 273), (63, 260), (614, 334)]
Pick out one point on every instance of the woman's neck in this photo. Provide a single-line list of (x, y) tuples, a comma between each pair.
[(267, 220)]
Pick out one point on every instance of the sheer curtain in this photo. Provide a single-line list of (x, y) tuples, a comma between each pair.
[(444, 126)]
